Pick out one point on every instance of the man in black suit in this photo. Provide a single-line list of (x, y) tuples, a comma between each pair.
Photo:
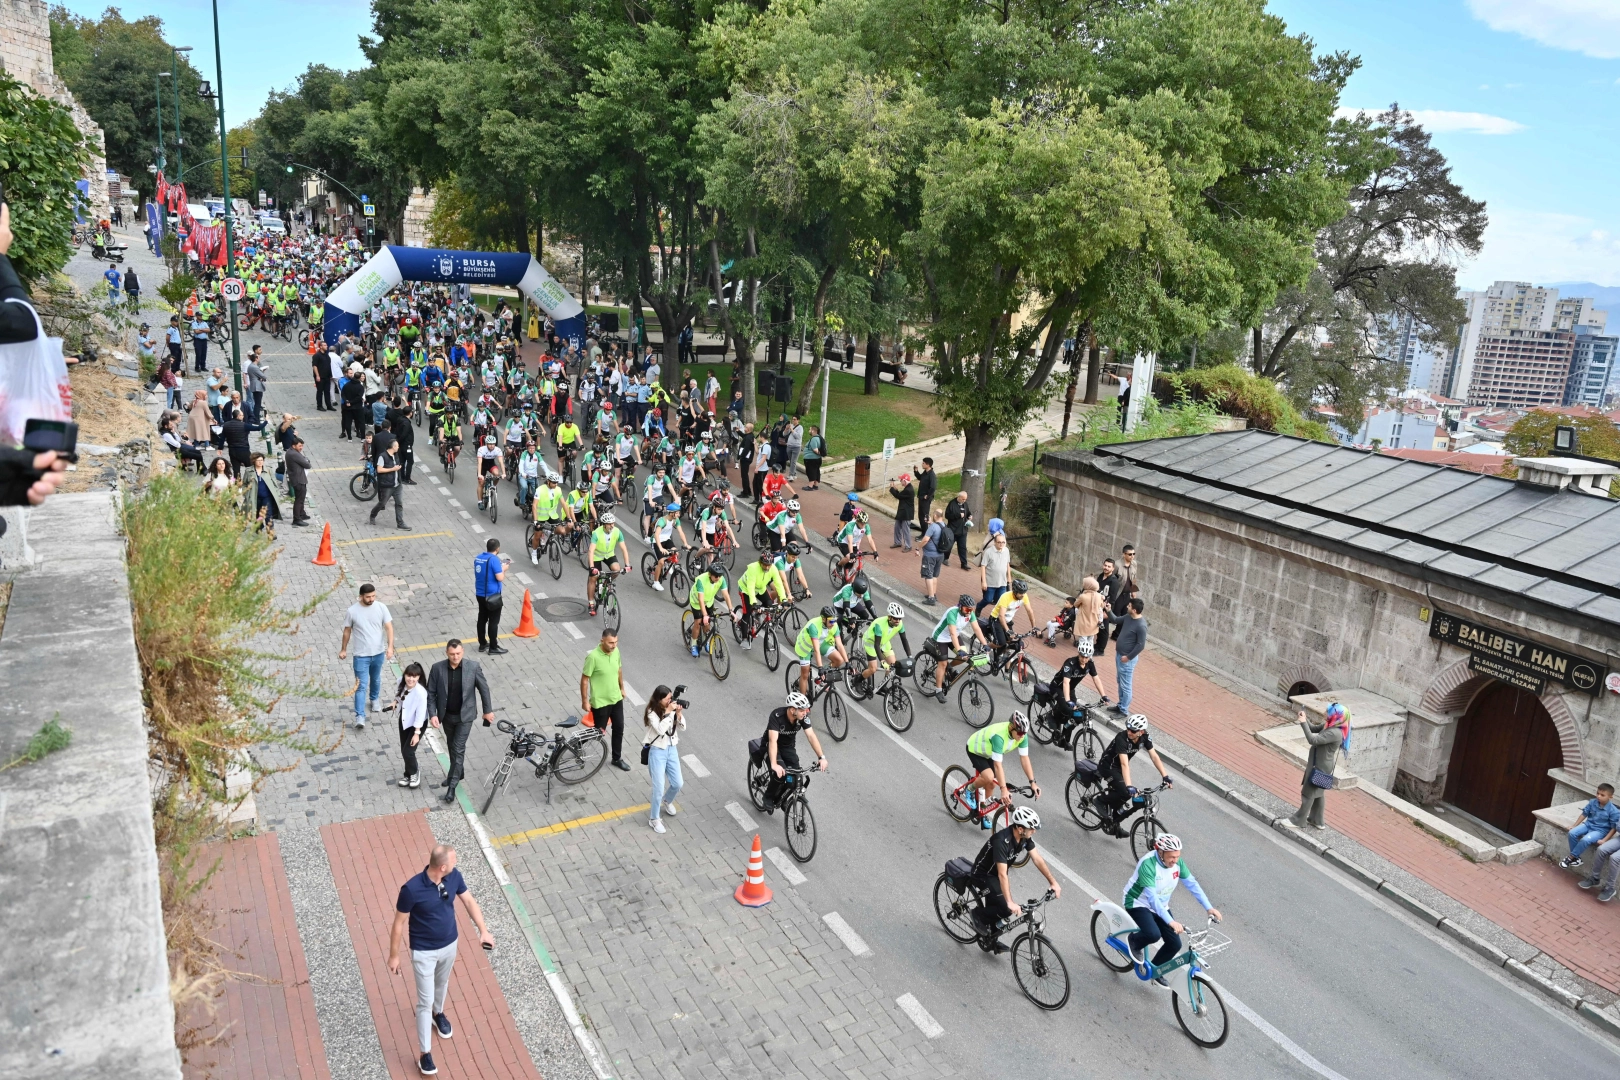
[(399, 422), (927, 484), (455, 686)]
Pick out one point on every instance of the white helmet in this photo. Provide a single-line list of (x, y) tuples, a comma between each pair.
[(1168, 842), (609, 519), (796, 700), (1086, 647), (1136, 722), (1026, 817), (896, 611)]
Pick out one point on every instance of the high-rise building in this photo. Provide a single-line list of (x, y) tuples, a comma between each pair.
[(1521, 368), (1519, 305), (1574, 312), (1591, 367), (1459, 373)]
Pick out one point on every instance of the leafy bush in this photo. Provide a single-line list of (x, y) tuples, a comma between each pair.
[(1235, 392), (177, 290), (40, 157)]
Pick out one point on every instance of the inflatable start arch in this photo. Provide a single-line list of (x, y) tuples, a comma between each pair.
[(393, 264)]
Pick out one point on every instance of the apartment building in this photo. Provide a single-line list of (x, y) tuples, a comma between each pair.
[(1521, 368), (1591, 367)]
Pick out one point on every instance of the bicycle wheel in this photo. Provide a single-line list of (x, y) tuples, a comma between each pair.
[(923, 673), (1203, 1015), (360, 486), (1042, 726), (1021, 677), (695, 563), (678, 586), (496, 781), (1040, 971), (1087, 745), (760, 536), (554, 559), (790, 677), (450, 470), (610, 613), (793, 619), (726, 552), (688, 617), (835, 574), (1111, 957), (801, 828), (955, 911), (303, 339), (897, 707), (834, 716), (582, 552), (494, 502), (861, 687), (1143, 834), (978, 707), (759, 778), (580, 758), (649, 562), (954, 780), (771, 648), (719, 658), (1081, 807)]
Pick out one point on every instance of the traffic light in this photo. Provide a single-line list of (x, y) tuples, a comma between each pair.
[(244, 157)]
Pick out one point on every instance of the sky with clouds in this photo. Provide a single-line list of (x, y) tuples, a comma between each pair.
[(1523, 96)]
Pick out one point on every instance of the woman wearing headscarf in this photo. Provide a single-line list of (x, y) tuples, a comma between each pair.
[(1326, 741), (199, 420)]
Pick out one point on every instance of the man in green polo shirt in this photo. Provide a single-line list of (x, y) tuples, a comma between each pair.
[(601, 691)]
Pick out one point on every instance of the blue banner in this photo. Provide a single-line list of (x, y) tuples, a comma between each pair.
[(471, 267)]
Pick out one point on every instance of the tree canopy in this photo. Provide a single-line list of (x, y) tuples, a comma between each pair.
[(41, 155)]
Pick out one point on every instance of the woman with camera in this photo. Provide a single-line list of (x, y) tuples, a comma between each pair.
[(662, 722)]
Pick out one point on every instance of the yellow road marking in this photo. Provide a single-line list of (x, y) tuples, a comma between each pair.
[(380, 539), (339, 468), (439, 644), (564, 826)]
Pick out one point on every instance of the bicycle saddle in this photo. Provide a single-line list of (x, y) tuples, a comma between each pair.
[(572, 721)]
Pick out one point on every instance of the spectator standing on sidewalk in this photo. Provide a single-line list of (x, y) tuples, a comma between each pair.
[(255, 387), (1128, 648), (1326, 740), (795, 447), (905, 497), (455, 687), (601, 692), (1124, 578), (489, 571), (959, 519), (172, 339), (927, 484), (662, 722), (298, 467), (427, 909), (199, 342), (995, 564), (935, 544), (1597, 825), (412, 700), (399, 422), (370, 629), (815, 448)]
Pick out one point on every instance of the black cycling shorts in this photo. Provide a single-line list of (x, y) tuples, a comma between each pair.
[(980, 762)]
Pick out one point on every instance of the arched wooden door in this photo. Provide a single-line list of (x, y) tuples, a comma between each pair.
[(1505, 744)]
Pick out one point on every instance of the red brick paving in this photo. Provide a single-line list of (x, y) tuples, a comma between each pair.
[(370, 860), (1535, 900), (268, 1020)]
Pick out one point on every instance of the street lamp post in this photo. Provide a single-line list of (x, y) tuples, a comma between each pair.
[(157, 85), (225, 185), (179, 132)]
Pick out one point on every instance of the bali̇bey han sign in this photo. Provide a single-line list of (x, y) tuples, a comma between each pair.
[(1516, 661)]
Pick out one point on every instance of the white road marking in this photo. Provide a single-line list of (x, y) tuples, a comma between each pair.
[(699, 769), (637, 699), (919, 1016), (456, 503), (846, 933), (525, 578), (741, 816), (477, 528), (444, 491), (573, 631), (784, 866), (538, 595), (464, 513), (1289, 1046)]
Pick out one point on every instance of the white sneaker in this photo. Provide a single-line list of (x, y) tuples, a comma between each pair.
[(534, 556), (360, 723), (658, 826), (672, 809), (748, 646), (658, 585)]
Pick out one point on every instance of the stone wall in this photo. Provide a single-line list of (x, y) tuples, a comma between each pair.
[(417, 212), (1272, 608), (25, 53)]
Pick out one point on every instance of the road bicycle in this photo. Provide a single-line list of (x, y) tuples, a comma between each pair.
[(1196, 1001), (761, 622), (956, 788), (606, 599), (824, 685), (840, 575), (1037, 966), (447, 458), (542, 536), (710, 641), (572, 757), (797, 820), (973, 698), (672, 575), (891, 690), (1082, 795), (724, 548), (487, 500)]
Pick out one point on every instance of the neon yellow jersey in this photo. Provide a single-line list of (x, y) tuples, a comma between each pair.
[(879, 634), (816, 637), (703, 591), (604, 543), (579, 502), (548, 503), (996, 740), (755, 581)]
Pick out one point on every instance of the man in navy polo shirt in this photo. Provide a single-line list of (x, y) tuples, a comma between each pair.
[(427, 905)]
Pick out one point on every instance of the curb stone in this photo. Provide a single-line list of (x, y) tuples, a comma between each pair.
[(1300, 837), (1416, 907), (1367, 877), (1252, 808), (1599, 1017), (1484, 948), (1544, 984)]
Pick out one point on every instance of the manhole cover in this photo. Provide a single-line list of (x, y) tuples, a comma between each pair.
[(561, 610)]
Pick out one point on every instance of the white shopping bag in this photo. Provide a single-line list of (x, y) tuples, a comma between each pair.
[(33, 382)]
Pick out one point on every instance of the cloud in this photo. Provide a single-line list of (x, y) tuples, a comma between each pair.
[(1585, 26), (1443, 120), (1532, 245)]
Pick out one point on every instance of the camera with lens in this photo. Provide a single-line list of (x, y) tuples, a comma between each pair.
[(680, 688)]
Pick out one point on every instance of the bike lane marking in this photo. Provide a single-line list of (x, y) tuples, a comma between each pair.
[(740, 816), (564, 826), (699, 769), (785, 867), (573, 631), (846, 933), (1261, 1024), (925, 1023)]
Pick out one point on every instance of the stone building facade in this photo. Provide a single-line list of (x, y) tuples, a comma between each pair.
[(417, 212), (25, 53), (1483, 611)]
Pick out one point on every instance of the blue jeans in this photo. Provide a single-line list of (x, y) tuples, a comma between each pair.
[(665, 767), (1584, 836), (1124, 672), (368, 672), (526, 488)]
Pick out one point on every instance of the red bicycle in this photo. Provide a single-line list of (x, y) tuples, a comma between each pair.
[(955, 787), (839, 574)]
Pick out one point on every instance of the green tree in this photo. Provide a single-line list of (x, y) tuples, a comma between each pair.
[(42, 155)]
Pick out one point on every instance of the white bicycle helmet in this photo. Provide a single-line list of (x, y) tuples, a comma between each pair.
[(1136, 722), (1026, 817), (1086, 648), (1167, 842), (793, 504), (609, 519), (896, 611), (796, 700), (1018, 721)]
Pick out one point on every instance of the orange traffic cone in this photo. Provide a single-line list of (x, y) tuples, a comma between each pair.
[(753, 892), (525, 626), (323, 557)]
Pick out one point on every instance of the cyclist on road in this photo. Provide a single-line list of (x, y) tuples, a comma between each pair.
[(817, 646), (990, 873), (850, 535), (550, 509), (664, 530), (1005, 612), (855, 598), (985, 749), (877, 640), (607, 548), (490, 464), (1147, 899), (1115, 767), (449, 437), (761, 584), (946, 639), (1075, 670), (707, 588), (788, 565), (781, 747)]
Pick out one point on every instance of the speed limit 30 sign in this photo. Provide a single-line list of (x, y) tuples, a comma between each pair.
[(233, 289)]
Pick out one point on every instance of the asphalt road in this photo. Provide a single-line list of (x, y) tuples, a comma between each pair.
[(1323, 979)]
